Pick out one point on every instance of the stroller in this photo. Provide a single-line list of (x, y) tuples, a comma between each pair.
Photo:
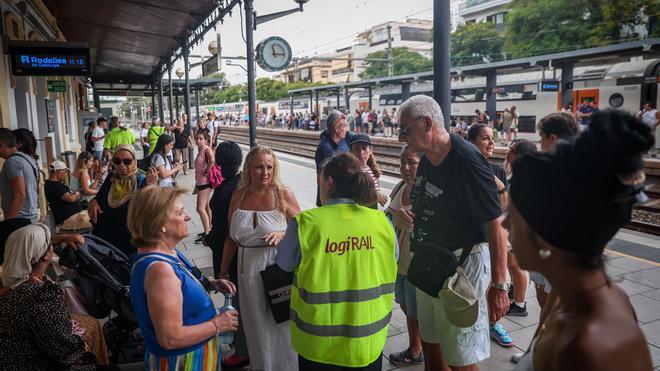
[(103, 277)]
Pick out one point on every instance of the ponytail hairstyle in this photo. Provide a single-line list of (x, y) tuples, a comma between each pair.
[(349, 181), (371, 162)]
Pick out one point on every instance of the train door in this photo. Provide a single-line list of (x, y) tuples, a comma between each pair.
[(584, 96), (650, 84)]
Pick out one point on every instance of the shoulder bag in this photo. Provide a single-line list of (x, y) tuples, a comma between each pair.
[(431, 264), (277, 284)]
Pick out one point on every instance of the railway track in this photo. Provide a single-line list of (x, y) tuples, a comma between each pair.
[(646, 217)]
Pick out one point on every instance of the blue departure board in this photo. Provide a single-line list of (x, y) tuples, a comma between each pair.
[(49, 59)]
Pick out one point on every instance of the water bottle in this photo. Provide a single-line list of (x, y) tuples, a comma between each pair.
[(226, 337)]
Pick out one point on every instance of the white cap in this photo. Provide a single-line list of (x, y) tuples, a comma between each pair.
[(58, 165)]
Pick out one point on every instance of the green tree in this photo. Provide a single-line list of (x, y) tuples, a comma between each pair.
[(233, 93), (475, 43), (268, 89), (542, 27), (405, 62), (651, 17)]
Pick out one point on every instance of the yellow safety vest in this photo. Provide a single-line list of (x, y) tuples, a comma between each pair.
[(341, 300)]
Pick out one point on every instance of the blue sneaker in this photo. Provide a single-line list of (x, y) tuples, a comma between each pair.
[(499, 334)]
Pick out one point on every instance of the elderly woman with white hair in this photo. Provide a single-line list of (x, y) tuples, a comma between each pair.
[(36, 329)]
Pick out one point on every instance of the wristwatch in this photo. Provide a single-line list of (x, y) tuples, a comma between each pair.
[(501, 286)]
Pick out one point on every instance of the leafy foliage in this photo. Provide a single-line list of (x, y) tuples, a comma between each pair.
[(405, 62), (475, 43), (541, 27)]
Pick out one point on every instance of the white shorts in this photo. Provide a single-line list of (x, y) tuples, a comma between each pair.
[(460, 346), (540, 281)]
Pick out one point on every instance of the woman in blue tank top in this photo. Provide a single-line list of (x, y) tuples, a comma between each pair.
[(175, 313)]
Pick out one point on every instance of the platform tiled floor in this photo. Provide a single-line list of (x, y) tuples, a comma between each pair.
[(640, 279)]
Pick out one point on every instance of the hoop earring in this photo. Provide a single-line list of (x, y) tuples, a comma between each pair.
[(545, 253)]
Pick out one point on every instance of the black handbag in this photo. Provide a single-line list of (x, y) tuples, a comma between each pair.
[(277, 284), (432, 265)]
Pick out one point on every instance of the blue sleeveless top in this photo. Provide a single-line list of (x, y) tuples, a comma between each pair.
[(197, 305)]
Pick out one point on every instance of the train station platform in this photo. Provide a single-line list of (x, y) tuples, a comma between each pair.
[(633, 263)]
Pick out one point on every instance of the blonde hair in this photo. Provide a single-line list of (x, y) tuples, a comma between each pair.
[(246, 178), (149, 211)]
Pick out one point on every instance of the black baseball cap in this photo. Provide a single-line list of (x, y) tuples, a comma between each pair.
[(361, 138)]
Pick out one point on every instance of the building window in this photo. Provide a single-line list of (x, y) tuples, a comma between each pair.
[(498, 18), (471, 21), (378, 35), (415, 34), (324, 74)]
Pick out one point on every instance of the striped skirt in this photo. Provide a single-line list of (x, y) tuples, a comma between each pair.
[(204, 358)]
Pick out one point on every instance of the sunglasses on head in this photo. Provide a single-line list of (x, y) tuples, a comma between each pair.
[(126, 161)]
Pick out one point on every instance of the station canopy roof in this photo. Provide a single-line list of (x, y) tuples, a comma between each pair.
[(649, 48), (129, 40), (129, 89)]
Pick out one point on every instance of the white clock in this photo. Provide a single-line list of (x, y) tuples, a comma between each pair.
[(273, 54)]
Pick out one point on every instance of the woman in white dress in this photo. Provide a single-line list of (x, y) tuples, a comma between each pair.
[(258, 213)]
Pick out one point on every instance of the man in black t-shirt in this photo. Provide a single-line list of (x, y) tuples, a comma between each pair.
[(65, 205), (454, 196)]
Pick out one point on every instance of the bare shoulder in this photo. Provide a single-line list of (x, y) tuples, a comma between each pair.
[(288, 194), (158, 274), (609, 339)]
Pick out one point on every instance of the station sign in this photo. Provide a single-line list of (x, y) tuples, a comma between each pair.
[(37, 58), (56, 86), (549, 85)]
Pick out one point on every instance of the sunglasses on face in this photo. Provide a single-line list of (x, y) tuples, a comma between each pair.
[(118, 161), (404, 131)]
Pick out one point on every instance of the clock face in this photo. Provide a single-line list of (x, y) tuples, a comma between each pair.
[(273, 54)]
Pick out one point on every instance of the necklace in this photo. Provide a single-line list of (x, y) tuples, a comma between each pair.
[(563, 308)]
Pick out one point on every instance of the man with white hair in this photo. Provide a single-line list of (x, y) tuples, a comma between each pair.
[(456, 210), (333, 141)]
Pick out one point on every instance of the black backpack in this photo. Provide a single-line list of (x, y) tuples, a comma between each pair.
[(144, 163)]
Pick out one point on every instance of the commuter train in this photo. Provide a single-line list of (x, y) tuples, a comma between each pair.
[(625, 85)]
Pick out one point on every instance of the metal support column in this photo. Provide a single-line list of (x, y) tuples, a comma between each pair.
[(338, 99), (161, 108), (291, 108), (311, 101), (390, 58), (317, 111), (171, 89), (491, 95), (252, 87), (153, 101), (370, 96), (347, 99), (441, 60), (97, 101), (316, 106), (197, 105), (405, 90), (567, 85), (186, 89), (176, 104)]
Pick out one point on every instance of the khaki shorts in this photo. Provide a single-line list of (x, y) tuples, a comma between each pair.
[(460, 346), (76, 222)]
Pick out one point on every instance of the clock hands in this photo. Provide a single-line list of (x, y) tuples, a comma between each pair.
[(275, 54)]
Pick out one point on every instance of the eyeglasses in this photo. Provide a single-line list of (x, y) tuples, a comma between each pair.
[(118, 161), (403, 132), (513, 143)]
